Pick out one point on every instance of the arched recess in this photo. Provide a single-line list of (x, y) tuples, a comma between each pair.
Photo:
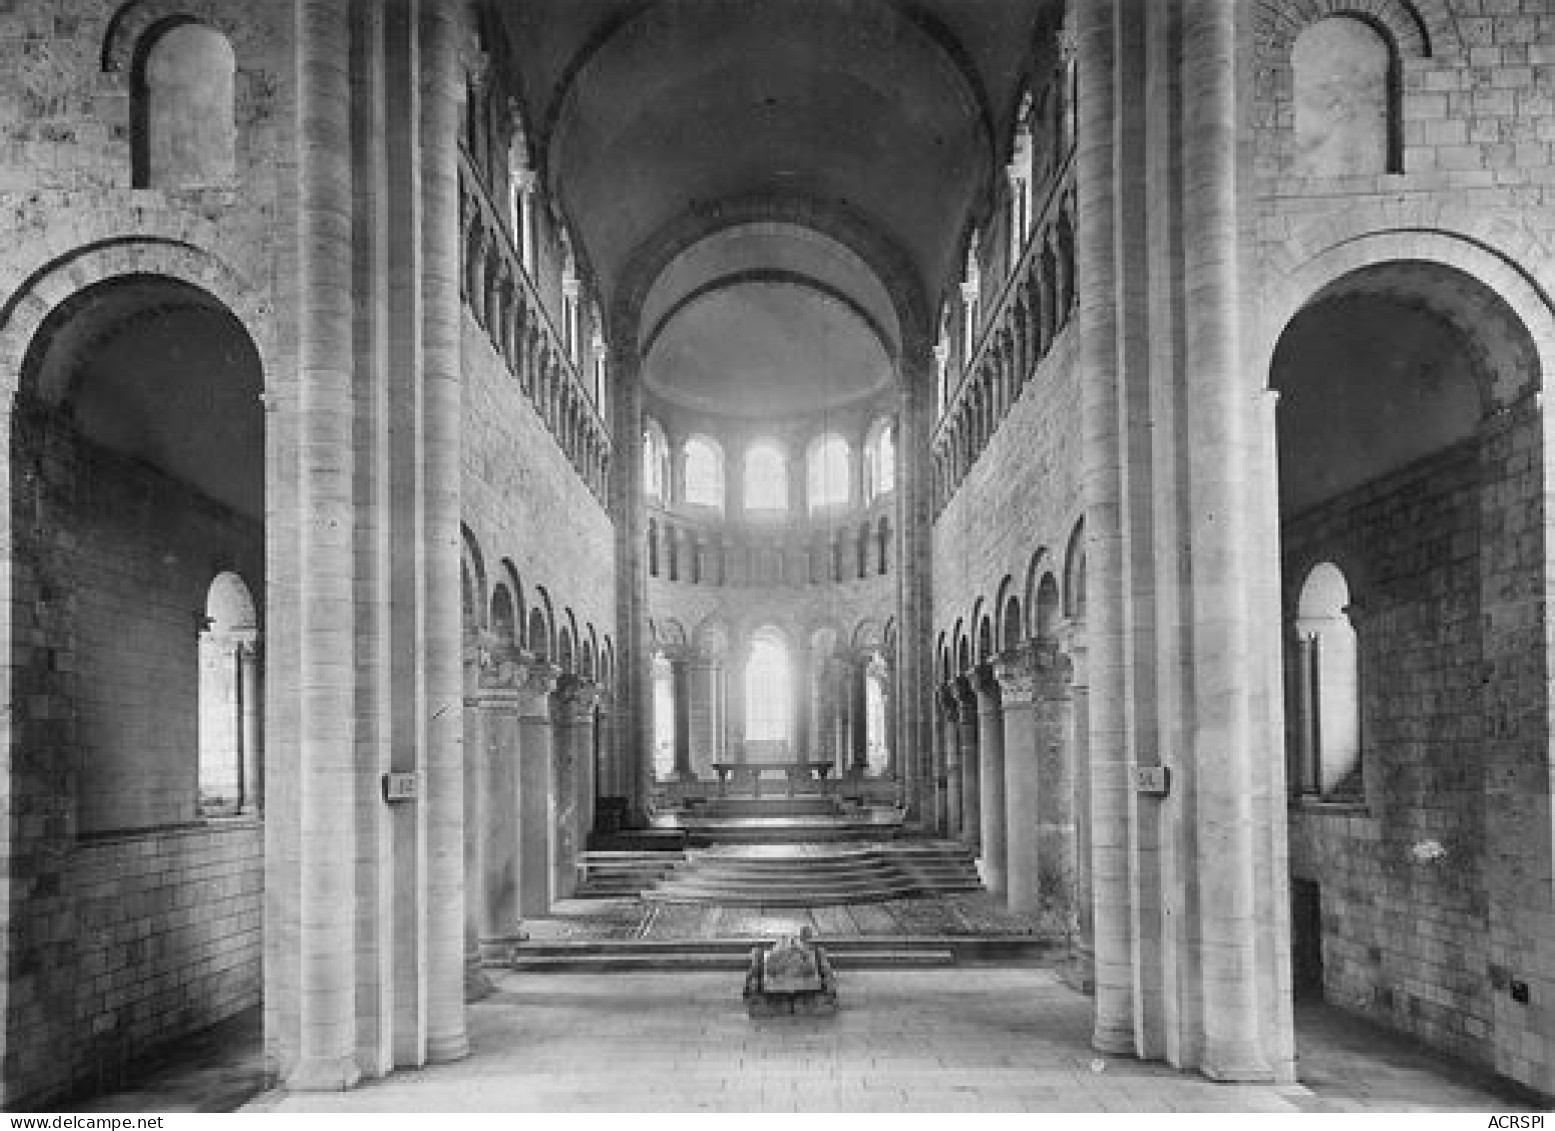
[(1047, 612), (541, 637), (1406, 382), (1006, 608), (136, 475), (1348, 95), (1073, 591), (473, 580), (183, 129), (504, 616), (138, 391), (566, 652), (509, 574)]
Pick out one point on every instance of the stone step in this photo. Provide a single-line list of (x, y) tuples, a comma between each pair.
[(846, 951), (697, 959)]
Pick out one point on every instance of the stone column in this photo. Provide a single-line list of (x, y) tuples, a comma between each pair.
[(801, 751), (1218, 407), (680, 676), (632, 721), (249, 731), (1016, 673), (971, 765), (1103, 443), (1052, 721), (310, 839), (858, 717), (990, 745), (572, 717), (949, 782), (1084, 974), (475, 984), (536, 680), (1304, 776), (912, 529), (703, 724), (826, 711), (500, 817), (734, 701), (441, 90), (609, 767), (894, 763)]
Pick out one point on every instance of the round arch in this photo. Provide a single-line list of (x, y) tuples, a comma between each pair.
[(37, 295), (1302, 284)]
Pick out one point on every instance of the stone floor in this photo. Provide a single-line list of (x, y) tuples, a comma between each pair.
[(979, 1039)]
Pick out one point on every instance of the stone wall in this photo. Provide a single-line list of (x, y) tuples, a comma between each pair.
[(525, 504), (1404, 938), (850, 608), (167, 940), (1417, 927), (1019, 500)]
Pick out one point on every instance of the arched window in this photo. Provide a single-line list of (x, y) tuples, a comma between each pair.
[(768, 691), (971, 296), (876, 744), (766, 479), (1020, 175), (229, 700), (1327, 688), (655, 457), (1344, 78), (663, 719), (880, 463), (183, 129), (827, 479), (704, 473)]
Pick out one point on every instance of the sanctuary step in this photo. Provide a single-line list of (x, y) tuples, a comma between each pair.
[(614, 874), (716, 807), (845, 823), (854, 953), (819, 876)]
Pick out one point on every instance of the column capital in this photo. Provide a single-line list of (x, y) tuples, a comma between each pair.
[(1068, 39), (1036, 669), (575, 698), (1016, 671), (949, 700), (535, 679), (500, 664), (985, 685), (965, 689)]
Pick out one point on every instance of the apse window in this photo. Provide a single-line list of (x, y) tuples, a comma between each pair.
[(704, 473), (1327, 689), (767, 688), (880, 464), (183, 127), (828, 473), (766, 479), (653, 462)]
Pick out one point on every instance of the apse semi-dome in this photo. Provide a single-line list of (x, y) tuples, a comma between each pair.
[(767, 347)]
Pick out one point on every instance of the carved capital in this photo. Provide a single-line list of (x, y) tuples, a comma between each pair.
[(534, 679), (949, 701), (985, 685), (1016, 671), (1068, 39), (575, 698)]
